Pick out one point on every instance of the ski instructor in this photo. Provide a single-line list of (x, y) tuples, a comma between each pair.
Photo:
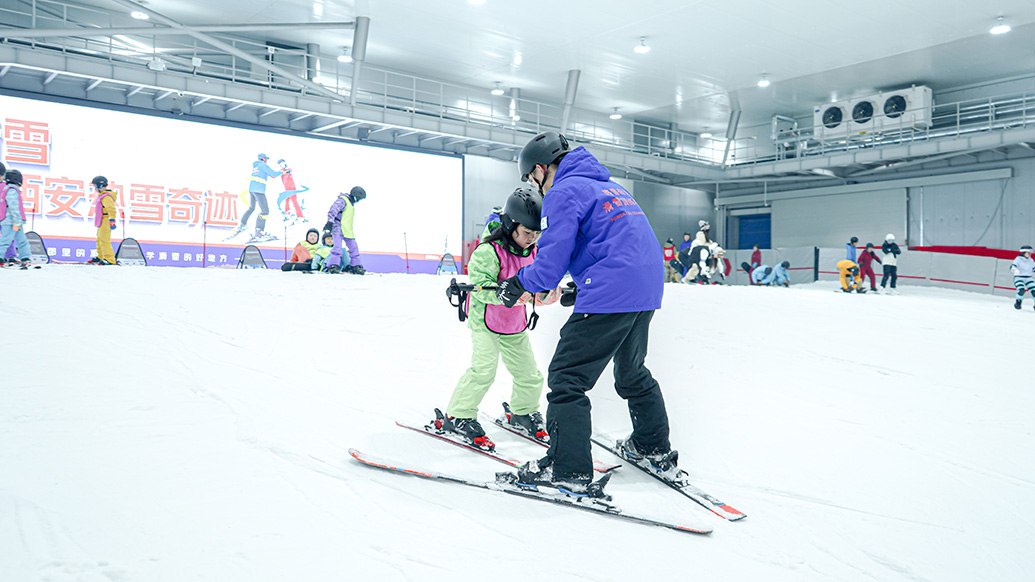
[(593, 228)]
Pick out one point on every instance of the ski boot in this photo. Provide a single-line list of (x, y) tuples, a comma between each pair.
[(467, 428), (538, 473), (357, 270), (532, 425), (860, 290), (662, 463), (1017, 304), (236, 231), (25, 264), (333, 270)]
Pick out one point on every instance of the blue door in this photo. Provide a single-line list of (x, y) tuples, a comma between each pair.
[(755, 229)]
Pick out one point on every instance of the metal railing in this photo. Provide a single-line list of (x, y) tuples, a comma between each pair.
[(385, 89)]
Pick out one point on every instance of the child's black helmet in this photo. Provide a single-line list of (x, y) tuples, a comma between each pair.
[(3, 170), (786, 264), (13, 177), (854, 240), (543, 149), (99, 182), (523, 207)]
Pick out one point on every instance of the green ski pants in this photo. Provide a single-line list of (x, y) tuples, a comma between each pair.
[(489, 348)]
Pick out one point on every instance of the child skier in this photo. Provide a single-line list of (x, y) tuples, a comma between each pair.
[(339, 224), (866, 266), (850, 274), (1023, 269), (302, 255), (12, 218), (104, 220), (322, 257), (850, 248), (499, 332), (669, 251), (891, 253)]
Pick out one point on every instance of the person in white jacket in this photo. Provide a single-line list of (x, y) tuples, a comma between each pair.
[(1023, 269)]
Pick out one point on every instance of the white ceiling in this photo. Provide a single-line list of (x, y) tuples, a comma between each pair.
[(705, 53)]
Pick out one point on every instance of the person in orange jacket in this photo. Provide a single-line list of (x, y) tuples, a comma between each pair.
[(850, 274)]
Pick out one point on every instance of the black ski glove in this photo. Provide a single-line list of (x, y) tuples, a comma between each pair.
[(327, 227), (568, 294), (510, 291)]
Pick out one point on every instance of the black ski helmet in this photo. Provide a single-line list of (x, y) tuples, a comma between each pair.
[(524, 207), (99, 182), (869, 246), (357, 193), (854, 271), (854, 240), (312, 231), (768, 270), (786, 264), (543, 149), (3, 170), (13, 177)]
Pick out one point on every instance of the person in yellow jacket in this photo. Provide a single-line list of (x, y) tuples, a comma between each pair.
[(104, 220), (850, 274)]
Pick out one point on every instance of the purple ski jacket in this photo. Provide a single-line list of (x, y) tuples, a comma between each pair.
[(594, 228)]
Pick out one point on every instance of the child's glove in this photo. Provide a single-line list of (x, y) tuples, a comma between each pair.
[(510, 292), (111, 223)]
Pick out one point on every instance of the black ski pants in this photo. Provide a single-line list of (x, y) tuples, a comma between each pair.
[(892, 272), (588, 342)]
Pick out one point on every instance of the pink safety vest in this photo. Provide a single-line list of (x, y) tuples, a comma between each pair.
[(507, 320), (99, 209), (3, 200)]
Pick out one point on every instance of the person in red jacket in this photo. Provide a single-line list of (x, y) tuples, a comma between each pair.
[(866, 266), (669, 252)]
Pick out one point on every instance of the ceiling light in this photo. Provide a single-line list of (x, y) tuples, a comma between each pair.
[(764, 81), (517, 59), (1000, 27), (139, 15), (345, 57), (498, 90), (516, 118), (616, 115), (706, 135), (318, 8), (642, 48)]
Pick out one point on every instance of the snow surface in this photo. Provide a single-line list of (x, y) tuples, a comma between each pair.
[(186, 424)]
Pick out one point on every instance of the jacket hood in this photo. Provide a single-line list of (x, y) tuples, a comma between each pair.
[(580, 163)]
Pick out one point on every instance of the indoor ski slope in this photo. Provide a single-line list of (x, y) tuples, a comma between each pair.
[(163, 425)]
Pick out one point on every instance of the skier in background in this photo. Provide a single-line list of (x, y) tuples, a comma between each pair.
[(684, 246), (850, 249), (1023, 269), (104, 220), (891, 253), (756, 256), (499, 332), (670, 253), (339, 224), (850, 276), (866, 266), (261, 172), (12, 219), (290, 195)]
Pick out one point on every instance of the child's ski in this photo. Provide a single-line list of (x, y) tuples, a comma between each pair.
[(501, 421)]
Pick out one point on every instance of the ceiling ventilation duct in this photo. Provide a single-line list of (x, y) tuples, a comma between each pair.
[(891, 111)]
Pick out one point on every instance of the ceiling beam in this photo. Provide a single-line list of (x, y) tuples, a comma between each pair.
[(898, 165), (134, 91), (164, 30), (569, 97), (235, 107), (232, 50), (93, 85)]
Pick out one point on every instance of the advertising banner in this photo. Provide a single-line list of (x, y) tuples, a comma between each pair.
[(195, 194)]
